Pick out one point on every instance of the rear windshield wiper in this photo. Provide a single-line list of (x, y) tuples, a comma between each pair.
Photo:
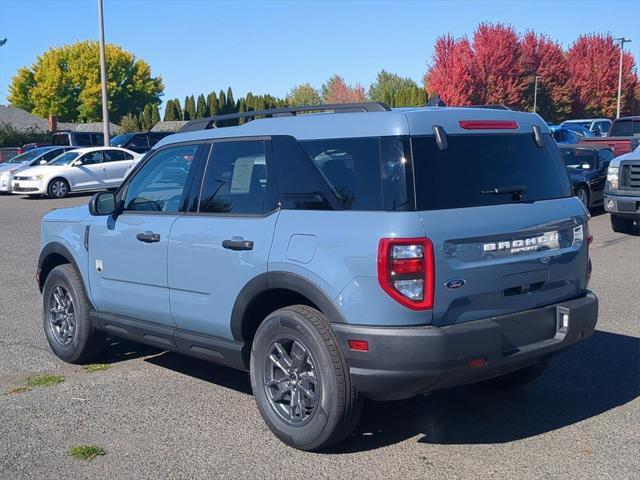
[(515, 191)]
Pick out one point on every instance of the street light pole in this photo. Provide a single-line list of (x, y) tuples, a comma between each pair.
[(103, 78), (535, 93), (622, 41)]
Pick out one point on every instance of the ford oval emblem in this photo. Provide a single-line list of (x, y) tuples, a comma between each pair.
[(455, 283)]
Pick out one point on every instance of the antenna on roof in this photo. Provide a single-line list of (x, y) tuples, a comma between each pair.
[(435, 102)]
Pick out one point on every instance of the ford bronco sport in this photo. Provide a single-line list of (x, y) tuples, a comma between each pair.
[(353, 252)]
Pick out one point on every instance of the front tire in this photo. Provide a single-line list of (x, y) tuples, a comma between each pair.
[(66, 321), (621, 224), (58, 188), (301, 381), (583, 196)]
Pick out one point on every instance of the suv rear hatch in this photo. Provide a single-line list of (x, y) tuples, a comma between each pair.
[(507, 233)]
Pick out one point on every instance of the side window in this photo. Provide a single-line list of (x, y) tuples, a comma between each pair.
[(138, 141), (114, 155), (127, 156), (158, 186), (352, 167), (52, 154), (236, 179), (155, 138), (83, 139), (92, 158)]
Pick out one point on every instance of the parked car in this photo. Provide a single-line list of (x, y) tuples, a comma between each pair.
[(622, 191), (597, 126), (587, 167), (36, 156), (564, 136), (78, 139), (334, 256), (623, 137), (579, 129), (138, 142), (78, 170)]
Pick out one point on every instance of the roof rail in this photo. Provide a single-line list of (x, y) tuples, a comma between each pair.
[(489, 106), (210, 122)]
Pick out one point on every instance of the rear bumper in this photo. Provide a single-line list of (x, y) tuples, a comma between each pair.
[(403, 362), (623, 205)]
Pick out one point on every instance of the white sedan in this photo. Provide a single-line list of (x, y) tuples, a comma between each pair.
[(83, 169)]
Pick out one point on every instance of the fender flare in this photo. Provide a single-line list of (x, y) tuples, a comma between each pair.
[(57, 248), (280, 280)]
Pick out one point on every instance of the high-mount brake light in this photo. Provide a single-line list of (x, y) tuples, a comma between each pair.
[(406, 271), (489, 124)]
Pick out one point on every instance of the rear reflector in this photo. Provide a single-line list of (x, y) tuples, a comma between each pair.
[(489, 125), (477, 362), (358, 345)]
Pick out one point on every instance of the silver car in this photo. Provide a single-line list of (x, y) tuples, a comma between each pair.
[(37, 156)]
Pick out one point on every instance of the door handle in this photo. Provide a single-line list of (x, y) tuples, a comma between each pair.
[(238, 244), (148, 237)]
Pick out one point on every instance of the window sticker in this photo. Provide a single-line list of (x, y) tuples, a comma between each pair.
[(242, 171)]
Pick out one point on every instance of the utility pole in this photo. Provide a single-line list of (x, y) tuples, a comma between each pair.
[(622, 41), (103, 79), (535, 93)]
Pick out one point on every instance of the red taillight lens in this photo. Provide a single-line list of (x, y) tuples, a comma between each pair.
[(406, 272), (489, 125), (358, 345)]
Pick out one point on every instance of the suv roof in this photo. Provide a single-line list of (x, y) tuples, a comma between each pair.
[(411, 121)]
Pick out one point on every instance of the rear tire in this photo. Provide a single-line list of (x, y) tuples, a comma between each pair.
[(621, 224), (519, 378), (583, 195), (66, 321), (58, 188), (301, 380)]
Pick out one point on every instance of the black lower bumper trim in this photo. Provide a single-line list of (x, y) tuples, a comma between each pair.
[(405, 361)]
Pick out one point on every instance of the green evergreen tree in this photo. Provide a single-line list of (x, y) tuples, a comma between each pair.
[(155, 115), (212, 104), (222, 101), (169, 111), (201, 107), (145, 118), (129, 123), (177, 109), (231, 104)]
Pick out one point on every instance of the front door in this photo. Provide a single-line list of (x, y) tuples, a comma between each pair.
[(128, 252), (215, 252)]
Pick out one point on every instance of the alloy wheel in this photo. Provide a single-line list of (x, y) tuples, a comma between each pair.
[(61, 316), (291, 381)]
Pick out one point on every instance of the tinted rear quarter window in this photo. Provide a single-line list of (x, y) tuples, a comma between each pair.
[(60, 139), (472, 164), (625, 128), (83, 139)]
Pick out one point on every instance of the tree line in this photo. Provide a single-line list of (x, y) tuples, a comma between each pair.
[(496, 65)]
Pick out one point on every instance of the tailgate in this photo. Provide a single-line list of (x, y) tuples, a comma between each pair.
[(499, 259)]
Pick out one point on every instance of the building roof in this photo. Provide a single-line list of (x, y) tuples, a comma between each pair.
[(169, 126), (89, 127), (22, 121)]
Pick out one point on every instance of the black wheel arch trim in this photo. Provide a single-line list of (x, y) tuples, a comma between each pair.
[(59, 249), (280, 280)]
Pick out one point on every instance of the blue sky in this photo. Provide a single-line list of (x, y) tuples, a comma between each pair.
[(267, 47)]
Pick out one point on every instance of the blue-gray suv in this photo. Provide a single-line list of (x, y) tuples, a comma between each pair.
[(334, 252)]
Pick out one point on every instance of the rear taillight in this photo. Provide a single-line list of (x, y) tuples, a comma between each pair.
[(406, 271)]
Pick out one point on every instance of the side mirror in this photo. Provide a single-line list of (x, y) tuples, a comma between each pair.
[(42, 162), (102, 203), (76, 163)]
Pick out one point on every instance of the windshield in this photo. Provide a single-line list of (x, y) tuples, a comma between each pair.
[(120, 140), (625, 128), (65, 158), (479, 170), (578, 159), (27, 156)]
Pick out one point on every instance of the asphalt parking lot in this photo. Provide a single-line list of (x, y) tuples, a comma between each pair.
[(163, 415)]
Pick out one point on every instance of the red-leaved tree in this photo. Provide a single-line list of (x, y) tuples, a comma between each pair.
[(453, 74), (497, 55), (593, 64), (336, 90), (541, 56)]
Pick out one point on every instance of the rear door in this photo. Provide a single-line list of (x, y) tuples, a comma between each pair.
[(128, 253), (507, 234), (116, 166), (90, 174), (217, 249)]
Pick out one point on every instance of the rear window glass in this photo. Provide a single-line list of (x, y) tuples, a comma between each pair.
[(60, 139), (83, 139), (625, 128), (472, 167), (578, 159), (365, 173)]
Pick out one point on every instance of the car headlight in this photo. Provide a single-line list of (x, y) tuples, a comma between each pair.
[(613, 177), (34, 177)]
